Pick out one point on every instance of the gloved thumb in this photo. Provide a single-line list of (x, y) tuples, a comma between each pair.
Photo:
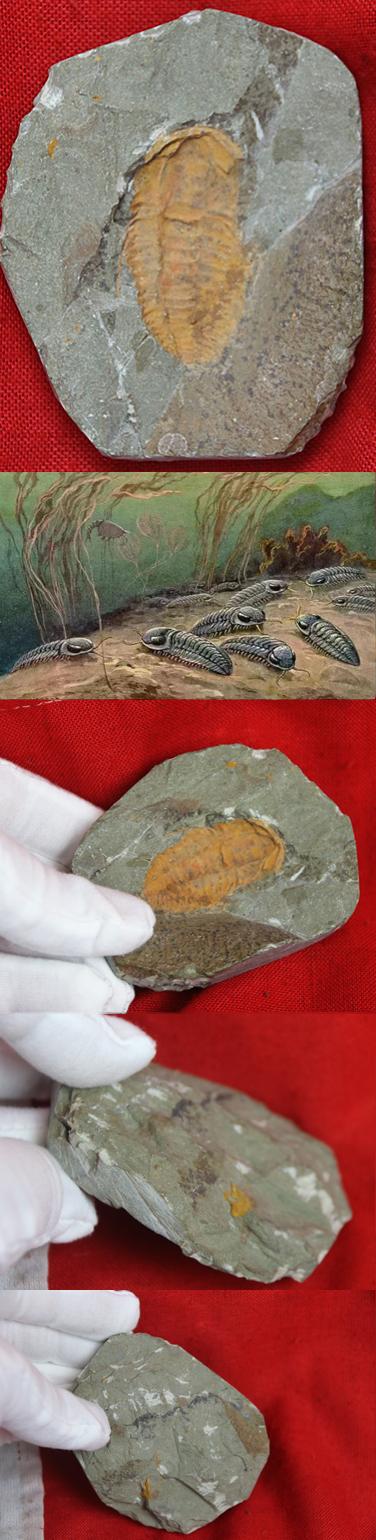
[(32, 1408), (38, 1202)]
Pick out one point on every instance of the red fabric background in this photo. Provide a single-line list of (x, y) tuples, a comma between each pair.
[(307, 1364), (99, 748), (36, 433), (315, 1069)]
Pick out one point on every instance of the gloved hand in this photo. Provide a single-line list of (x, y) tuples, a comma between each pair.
[(42, 909), (38, 1202), (57, 929), (46, 1338)]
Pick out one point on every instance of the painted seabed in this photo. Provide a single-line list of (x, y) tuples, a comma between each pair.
[(131, 672)]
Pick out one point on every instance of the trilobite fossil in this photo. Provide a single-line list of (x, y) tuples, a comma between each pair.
[(183, 244)]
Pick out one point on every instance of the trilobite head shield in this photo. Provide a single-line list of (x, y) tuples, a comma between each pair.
[(76, 644), (305, 623), (282, 657), (157, 637), (246, 614)]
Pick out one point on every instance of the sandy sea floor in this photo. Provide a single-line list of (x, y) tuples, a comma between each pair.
[(131, 672)]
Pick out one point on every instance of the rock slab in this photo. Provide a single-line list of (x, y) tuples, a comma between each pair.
[(242, 857), (182, 233), (185, 1446), (232, 1184)]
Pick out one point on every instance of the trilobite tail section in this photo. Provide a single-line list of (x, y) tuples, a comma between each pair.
[(183, 245)]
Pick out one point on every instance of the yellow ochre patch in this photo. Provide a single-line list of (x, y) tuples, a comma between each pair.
[(146, 1490), (240, 1202)]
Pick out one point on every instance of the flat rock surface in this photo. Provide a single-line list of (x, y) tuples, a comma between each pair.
[(185, 1446), (182, 235), (241, 857), (212, 1170)]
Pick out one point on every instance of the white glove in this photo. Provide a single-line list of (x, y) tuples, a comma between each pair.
[(57, 929), (38, 1202), (42, 907), (46, 1338)]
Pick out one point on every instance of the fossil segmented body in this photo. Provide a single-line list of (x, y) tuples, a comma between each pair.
[(266, 589), (328, 577), (325, 637), (361, 602), (263, 649), (223, 622), (70, 647), (182, 647), (183, 245)]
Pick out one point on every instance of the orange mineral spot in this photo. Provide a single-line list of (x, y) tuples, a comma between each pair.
[(205, 866), (147, 1489), (51, 147), (183, 244), (240, 1202)]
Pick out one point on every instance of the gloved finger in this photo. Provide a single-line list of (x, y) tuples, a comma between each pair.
[(63, 1327), (38, 1202), (33, 1409), (45, 984), (19, 1082), (52, 822), (78, 1049), (55, 914), (27, 1123)]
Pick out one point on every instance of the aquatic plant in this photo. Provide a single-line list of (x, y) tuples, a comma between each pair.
[(302, 548), (238, 501), (55, 555)]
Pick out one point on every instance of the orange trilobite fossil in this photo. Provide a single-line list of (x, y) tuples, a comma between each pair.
[(183, 245), (205, 865)]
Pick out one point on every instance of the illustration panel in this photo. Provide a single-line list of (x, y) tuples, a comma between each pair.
[(184, 584)]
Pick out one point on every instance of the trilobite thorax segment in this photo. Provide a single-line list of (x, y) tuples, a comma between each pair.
[(183, 243)]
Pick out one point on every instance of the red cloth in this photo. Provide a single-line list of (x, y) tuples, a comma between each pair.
[(306, 1362), (36, 433), (315, 1069), (100, 748)]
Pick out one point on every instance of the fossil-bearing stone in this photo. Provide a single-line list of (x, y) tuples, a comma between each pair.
[(242, 858), (182, 233), (227, 1180), (185, 1446)]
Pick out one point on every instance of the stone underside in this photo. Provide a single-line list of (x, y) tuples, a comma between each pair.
[(307, 890), (225, 1179), (204, 299), (185, 1446)]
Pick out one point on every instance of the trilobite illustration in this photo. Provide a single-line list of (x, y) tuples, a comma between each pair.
[(183, 244), (69, 647), (327, 638), (263, 649), (360, 602), (183, 647), (223, 622), (328, 577)]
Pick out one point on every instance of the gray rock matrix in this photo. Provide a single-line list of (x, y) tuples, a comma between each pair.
[(232, 1184), (313, 894), (185, 1446), (291, 107)]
